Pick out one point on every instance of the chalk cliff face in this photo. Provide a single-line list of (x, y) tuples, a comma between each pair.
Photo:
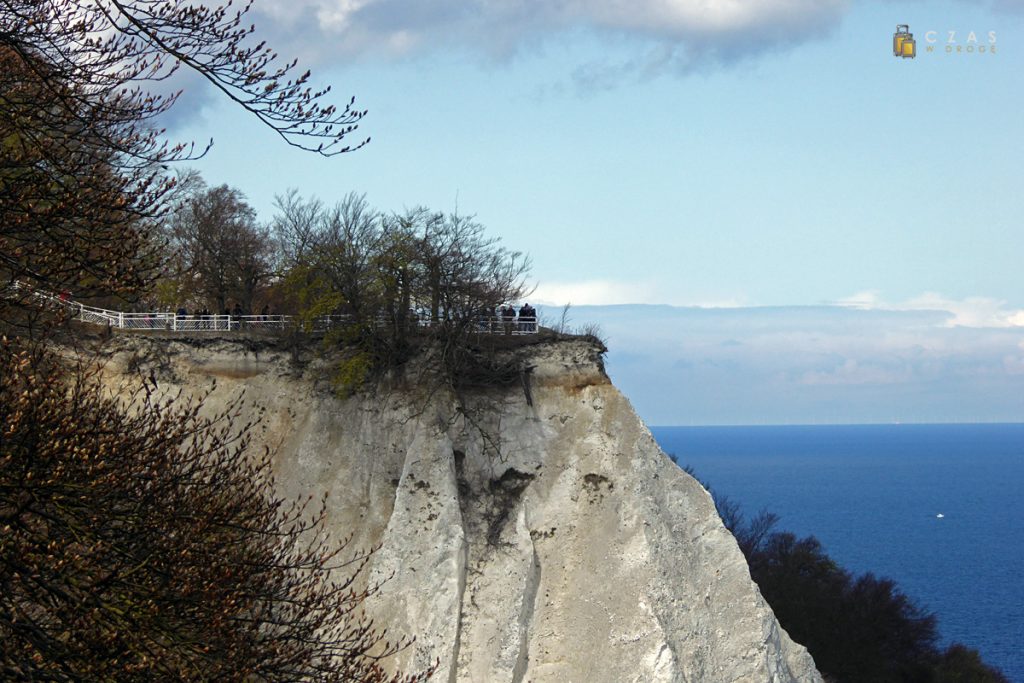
[(532, 533)]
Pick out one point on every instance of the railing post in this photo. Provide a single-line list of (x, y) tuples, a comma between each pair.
[(120, 320)]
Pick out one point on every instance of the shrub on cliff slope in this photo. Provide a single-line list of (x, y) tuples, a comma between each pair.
[(141, 542), (857, 628)]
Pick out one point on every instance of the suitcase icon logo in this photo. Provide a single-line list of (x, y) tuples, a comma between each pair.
[(903, 43)]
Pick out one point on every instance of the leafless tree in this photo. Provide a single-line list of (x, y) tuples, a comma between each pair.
[(296, 226), (404, 278), (224, 253), (469, 272), (327, 252)]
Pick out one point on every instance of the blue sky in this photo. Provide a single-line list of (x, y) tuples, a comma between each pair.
[(755, 154)]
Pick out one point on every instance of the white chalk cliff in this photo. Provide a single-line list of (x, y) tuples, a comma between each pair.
[(536, 533)]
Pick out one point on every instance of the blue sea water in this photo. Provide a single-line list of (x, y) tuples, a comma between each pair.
[(872, 495)]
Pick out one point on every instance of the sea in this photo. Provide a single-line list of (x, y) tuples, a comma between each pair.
[(937, 508)]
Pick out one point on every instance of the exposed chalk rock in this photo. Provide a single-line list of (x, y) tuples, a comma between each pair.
[(531, 533)]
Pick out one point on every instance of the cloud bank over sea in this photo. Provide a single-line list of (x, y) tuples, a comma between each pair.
[(810, 364)]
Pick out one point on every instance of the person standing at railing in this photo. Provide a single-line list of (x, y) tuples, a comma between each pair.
[(483, 319), (236, 316), (508, 314), (524, 318)]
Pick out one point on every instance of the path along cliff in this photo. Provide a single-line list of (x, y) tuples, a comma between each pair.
[(534, 532)]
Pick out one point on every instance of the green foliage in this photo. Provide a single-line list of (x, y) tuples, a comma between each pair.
[(168, 293), (352, 372), (311, 295), (960, 664)]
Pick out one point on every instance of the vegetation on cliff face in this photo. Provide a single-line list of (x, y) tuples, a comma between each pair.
[(139, 541), (857, 628)]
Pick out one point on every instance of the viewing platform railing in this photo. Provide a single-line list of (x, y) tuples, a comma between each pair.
[(172, 322)]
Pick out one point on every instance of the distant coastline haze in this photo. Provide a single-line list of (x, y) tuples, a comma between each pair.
[(809, 364)]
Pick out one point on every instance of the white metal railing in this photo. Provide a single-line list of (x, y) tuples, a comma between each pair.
[(172, 322)]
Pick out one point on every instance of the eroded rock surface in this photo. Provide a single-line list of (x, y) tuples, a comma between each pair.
[(532, 533)]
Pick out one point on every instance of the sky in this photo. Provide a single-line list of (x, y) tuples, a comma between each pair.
[(741, 156)]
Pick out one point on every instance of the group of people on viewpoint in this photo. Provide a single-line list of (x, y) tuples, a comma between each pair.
[(506, 316), (205, 319)]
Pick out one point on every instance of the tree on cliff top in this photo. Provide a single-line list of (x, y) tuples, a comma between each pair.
[(221, 253), (403, 279)]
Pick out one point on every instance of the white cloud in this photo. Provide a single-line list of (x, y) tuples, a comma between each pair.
[(693, 30), (867, 300), (336, 16), (688, 18), (975, 311), (972, 311)]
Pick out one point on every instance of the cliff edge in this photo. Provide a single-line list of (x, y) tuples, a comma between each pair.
[(534, 532)]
